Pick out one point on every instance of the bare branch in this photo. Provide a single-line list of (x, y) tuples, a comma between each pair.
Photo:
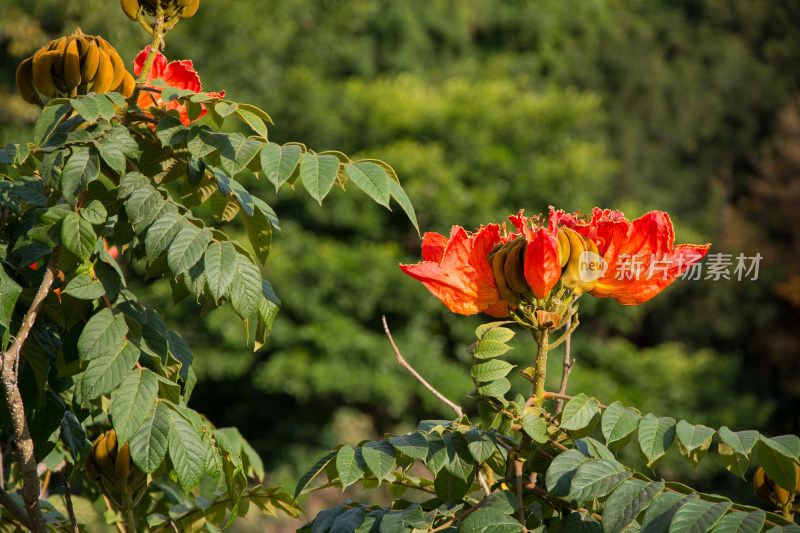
[(70, 510), (23, 449), (482, 481), (567, 365), (404, 364)]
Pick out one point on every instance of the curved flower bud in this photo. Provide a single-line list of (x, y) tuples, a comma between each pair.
[(456, 271)]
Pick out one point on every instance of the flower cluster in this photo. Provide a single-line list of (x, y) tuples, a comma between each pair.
[(556, 258)]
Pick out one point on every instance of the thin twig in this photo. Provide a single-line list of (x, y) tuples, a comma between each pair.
[(9, 503), (70, 510), (404, 364), (482, 481), (518, 475), (568, 362), (45, 484), (23, 449)]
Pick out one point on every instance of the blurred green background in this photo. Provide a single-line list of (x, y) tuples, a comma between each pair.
[(484, 107)]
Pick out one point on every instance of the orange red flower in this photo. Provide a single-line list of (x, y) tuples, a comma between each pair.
[(638, 258), (640, 254), (178, 74), (455, 270)]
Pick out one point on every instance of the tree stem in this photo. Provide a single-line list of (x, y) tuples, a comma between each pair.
[(23, 448), (541, 364)]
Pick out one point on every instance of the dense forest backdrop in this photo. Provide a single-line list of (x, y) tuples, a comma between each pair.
[(484, 107)]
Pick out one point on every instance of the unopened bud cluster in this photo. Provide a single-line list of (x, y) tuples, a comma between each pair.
[(508, 260), (767, 490), (170, 8), (110, 466), (73, 66)]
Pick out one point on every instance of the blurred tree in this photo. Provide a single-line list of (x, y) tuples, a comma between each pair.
[(485, 108)]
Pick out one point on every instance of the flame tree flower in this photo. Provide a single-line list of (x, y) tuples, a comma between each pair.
[(537, 272), (640, 258), (178, 74), (455, 270)]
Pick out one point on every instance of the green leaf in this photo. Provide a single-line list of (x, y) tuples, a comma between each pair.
[(259, 232), (659, 514), (495, 389), (45, 424), (171, 131), (313, 472), (491, 370), (82, 167), (119, 135), (697, 516), (579, 522), (9, 292), (187, 248), (693, 441), (735, 449), (400, 195), (459, 459), (437, 453), (535, 427), (245, 289), (48, 121), (778, 461), (78, 236), (111, 152), (741, 522), (489, 520), (149, 444), (618, 425), (350, 465), (95, 213), (655, 437), (348, 521), (499, 334), (252, 120), (84, 287), (318, 174), (179, 349), (481, 445), (380, 458), (626, 502), (267, 310), (486, 349), (595, 479), (103, 333), (160, 234), (219, 263), (414, 445), (73, 436), (237, 153), (107, 371), (371, 179), (451, 488), (280, 162), (87, 108), (186, 450), (561, 471), (131, 402), (580, 414)]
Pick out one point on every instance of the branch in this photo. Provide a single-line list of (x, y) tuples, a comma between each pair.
[(23, 451), (482, 481), (567, 366), (70, 510), (19, 513), (518, 475), (414, 373)]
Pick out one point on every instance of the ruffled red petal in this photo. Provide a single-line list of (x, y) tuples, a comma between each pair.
[(542, 267)]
